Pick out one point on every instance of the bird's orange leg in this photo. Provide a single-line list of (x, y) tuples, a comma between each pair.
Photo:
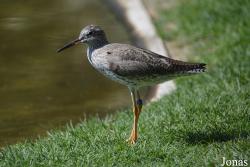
[(136, 110), (134, 134)]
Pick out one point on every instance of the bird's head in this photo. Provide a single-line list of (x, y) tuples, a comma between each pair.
[(90, 34)]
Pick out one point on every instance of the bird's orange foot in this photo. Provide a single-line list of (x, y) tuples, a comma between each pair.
[(133, 138)]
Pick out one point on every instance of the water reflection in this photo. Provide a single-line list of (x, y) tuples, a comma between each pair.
[(40, 89)]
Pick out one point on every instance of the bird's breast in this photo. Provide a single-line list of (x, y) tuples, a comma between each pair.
[(101, 64)]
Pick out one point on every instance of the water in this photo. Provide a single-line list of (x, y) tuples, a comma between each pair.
[(40, 89)]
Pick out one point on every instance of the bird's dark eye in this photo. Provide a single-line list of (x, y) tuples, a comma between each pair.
[(90, 33)]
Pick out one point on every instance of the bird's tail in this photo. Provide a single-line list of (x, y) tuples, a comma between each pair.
[(181, 67), (196, 68)]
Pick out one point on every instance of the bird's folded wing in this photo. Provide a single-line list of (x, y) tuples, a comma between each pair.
[(136, 62), (131, 61)]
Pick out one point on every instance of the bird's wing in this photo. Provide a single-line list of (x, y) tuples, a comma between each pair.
[(127, 60)]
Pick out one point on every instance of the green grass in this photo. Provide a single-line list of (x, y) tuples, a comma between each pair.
[(207, 118)]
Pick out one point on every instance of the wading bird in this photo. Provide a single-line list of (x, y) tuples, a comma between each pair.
[(131, 66)]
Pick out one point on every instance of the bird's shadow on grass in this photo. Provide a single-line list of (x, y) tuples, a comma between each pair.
[(217, 136)]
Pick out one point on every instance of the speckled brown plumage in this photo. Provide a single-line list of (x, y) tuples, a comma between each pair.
[(137, 67)]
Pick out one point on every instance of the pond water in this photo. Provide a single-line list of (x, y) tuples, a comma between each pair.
[(40, 89)]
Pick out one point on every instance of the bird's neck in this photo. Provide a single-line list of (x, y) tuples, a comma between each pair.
[(96, 44)]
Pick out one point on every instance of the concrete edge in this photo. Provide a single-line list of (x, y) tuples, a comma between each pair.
[(138, 21)]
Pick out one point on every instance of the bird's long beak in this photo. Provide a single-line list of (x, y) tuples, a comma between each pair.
[(68, 45)]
